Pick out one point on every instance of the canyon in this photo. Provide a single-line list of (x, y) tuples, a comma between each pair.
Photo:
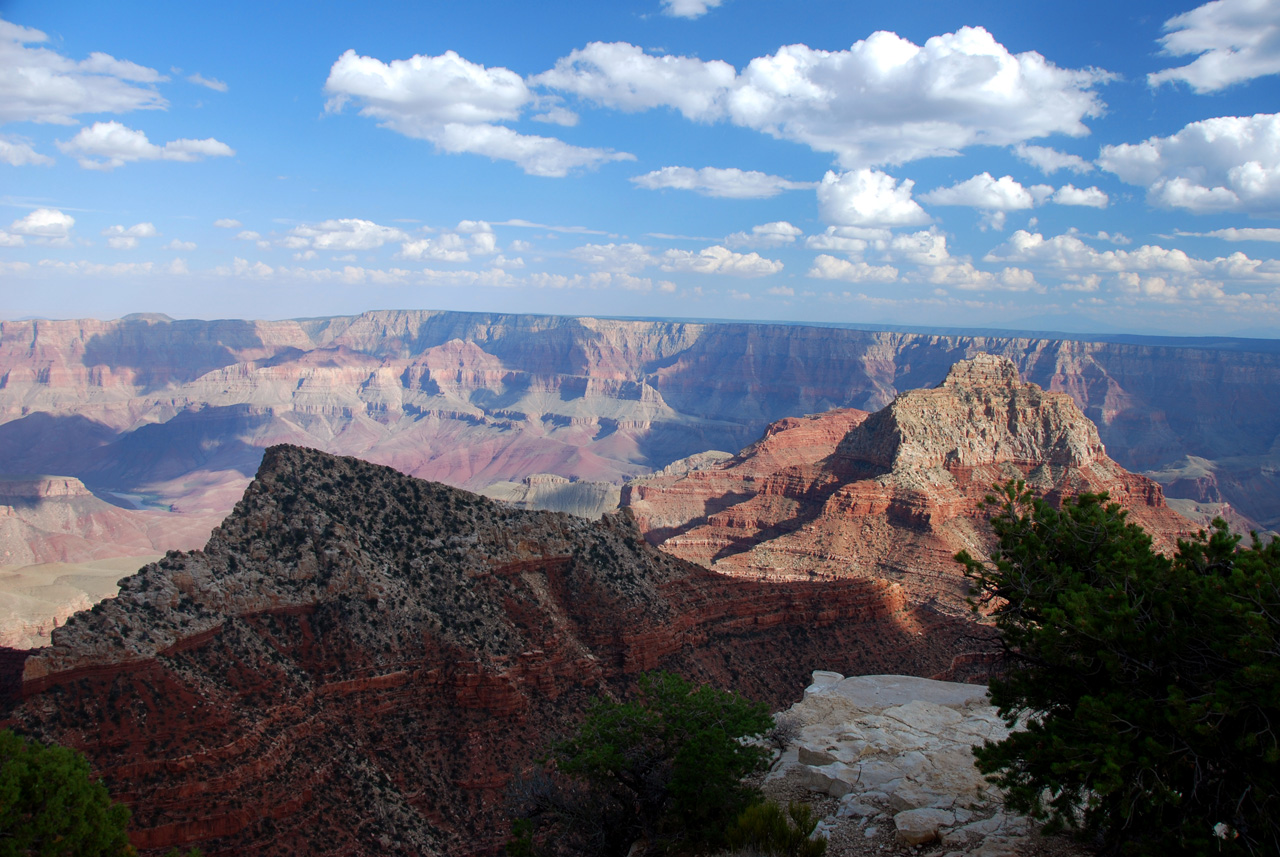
[(359, 661), (152, 413), (165, 421)]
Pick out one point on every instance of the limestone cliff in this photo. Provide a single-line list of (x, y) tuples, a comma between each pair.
[(358, 661), (899, 493)]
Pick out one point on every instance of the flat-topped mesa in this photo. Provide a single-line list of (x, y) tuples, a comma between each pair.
[(30, 488), (981, 414)]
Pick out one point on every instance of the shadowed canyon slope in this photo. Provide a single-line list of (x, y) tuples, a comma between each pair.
[(358, 661), (174, 415), (891, 495)]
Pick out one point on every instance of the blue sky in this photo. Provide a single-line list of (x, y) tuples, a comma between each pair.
[(1091, 167)]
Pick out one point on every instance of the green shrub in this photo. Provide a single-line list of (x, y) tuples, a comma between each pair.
[(1150, 684), (665, 767), (50, 807), (765, 828)]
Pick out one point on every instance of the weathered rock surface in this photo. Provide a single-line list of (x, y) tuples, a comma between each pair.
[(557, 494), (181, 411), (358, 661), (896, 750), (898, 493)]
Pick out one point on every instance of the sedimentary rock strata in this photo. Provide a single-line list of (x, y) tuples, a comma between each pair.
[(358, 661), (181, 410), (898, 493)]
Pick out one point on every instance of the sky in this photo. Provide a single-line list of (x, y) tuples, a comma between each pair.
[(1090, 167)]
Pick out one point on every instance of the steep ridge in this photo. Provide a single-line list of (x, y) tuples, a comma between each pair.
[(181, 410), (899, 493), (358, 661)]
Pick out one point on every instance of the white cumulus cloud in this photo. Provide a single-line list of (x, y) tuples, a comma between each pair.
[(868, 197), (622, 76), (41, 85), (618, 258), (730, 183), (688, 8), (454, 104), (1049, 161), (983, 191), (45, 226), (107, 145), (1088, 196), (1233, 41), (227, 223), (884, 100), (19, 153), (1228, 163), (775, 234), (347, 233), (126, 238), (720, 260), (830, 268)]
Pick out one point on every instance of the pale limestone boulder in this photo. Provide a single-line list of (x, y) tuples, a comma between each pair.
[(920, 826), (903, 746)]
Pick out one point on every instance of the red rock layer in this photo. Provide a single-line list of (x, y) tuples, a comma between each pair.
[(899, 494), (358, 662)]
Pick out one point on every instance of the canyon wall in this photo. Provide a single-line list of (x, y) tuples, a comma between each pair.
[(174, 415), (359, 662)]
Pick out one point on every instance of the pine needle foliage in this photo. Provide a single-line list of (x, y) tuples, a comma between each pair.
[(51, 807), (1148, 686)]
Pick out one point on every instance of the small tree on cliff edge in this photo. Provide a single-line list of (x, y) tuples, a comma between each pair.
[(665, 766), (1150, 685), (50, 807)]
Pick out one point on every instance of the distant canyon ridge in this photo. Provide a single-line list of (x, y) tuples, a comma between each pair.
[(155, 427)]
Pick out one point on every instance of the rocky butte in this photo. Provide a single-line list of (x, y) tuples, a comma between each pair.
[(892, 495), (359, 661)]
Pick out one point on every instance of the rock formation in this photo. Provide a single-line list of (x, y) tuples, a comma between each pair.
[(896, 751), (898, 493), (180, 411), (358, 661)]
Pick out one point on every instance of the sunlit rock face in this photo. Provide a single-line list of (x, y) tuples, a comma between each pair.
[(892, 495), (359, 661)]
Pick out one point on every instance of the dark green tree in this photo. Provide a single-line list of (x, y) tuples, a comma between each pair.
[(1148, 686), (665, 766), (51, 807)]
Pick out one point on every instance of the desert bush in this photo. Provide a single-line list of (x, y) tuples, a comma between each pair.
[(767, 829)]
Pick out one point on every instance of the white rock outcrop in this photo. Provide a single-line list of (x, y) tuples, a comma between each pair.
[(898, 750)]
